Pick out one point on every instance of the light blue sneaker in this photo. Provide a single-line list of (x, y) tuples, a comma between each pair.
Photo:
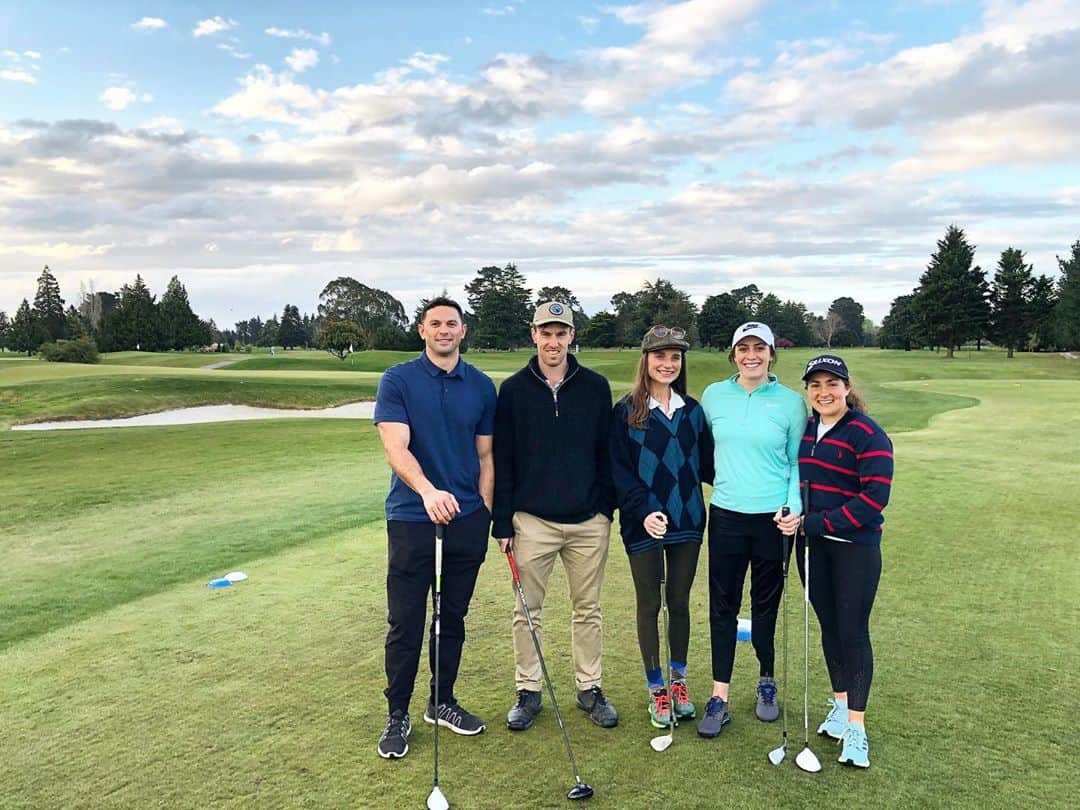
[(856, 747), (835, 720)]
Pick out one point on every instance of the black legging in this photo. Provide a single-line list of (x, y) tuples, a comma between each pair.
[(843, 582), (681, 565), (738, 541)]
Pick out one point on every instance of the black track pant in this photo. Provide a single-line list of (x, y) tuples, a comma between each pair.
[(409, 580), (843, 583), (681, 565), (738, 541)]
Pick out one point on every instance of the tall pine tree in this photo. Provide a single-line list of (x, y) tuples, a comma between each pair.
[(949, 305), (291, 329), (22, 332), (503, 307), (1010, 301), (178, 324), (49, 308), (1067, 311)]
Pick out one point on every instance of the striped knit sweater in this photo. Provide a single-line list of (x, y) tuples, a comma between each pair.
[(660, 469), (850, 473)]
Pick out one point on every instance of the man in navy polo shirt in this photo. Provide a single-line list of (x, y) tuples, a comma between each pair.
[(436, 416)]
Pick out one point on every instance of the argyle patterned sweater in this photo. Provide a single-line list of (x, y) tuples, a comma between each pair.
[(660, 469)]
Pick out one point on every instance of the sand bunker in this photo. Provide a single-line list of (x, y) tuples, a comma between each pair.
[(211, 413)]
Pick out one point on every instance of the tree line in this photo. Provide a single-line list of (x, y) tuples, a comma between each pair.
[(956, 303)]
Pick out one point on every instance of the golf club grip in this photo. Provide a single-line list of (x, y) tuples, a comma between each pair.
[(440, 531), (513, 566)]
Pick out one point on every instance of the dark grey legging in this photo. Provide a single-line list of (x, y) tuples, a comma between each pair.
[(843, 583), (681, 563)]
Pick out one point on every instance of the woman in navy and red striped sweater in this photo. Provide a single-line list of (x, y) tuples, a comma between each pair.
[(846, 465)]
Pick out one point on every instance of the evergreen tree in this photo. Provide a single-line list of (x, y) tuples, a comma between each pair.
[(1044, 336), (75, 325), (4, 326), (133, 324), (49, 308), (898, 327), (22, 332), (748, 297), (178, 324), (950, 304), (600, 332), (269, 334), (1010, 301), (851, 317), (291, 329), (791, 323), (719, 317), (1067, 311), (768, 310), (657, 302), (503, 307)]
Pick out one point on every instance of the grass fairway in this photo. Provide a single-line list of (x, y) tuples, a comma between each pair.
[(125, 682)]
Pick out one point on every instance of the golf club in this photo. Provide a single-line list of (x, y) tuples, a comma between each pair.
[(664, 741), (580, 790), (436, 800), (807, 760), (776, 756)]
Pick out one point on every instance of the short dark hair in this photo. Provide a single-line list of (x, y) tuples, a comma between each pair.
[(441, 301)]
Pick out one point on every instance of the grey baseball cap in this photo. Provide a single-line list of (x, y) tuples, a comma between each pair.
[(553, 312)]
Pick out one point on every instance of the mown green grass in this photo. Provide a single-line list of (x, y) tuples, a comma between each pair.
[(166, 359), (125, 682)]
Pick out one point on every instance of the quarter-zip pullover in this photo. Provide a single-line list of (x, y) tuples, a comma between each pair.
[(551, 447), (849, 471), (756, 435)]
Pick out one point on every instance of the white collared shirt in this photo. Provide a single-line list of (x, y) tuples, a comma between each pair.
[(674, 404)]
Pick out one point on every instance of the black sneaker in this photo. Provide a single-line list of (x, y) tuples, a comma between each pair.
[(394, 742), (522, 714), (592, 702), (455, 718)]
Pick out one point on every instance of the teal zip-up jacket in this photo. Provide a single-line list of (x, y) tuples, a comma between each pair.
[(757, 437)]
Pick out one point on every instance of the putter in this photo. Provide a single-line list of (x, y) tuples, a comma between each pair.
[(806, 760), (580, 790), (664, 741), (436, 800), (776, 756)]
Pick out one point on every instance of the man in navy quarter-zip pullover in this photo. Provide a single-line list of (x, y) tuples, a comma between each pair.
[(554, 497)]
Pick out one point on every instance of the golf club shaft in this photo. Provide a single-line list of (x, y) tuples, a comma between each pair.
[(543, 665), (666, 641), (785, 549), (439, 532), (805, 489)]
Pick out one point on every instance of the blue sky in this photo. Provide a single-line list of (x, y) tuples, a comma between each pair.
[(258, 151)]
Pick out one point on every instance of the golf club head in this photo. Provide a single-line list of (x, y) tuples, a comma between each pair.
[(580, 791), (437, 801), (807, 760), (776, 756), (661, 743)]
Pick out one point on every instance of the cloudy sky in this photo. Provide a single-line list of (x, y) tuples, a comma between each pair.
[(815, 148)]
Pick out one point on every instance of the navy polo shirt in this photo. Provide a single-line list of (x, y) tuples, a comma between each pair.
[(445, 413)]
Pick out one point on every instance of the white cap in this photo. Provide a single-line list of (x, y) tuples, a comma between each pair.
[(754, 329)]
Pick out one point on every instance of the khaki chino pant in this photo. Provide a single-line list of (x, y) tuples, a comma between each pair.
[(583, 548)]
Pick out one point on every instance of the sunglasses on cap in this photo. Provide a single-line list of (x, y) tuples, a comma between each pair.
[(676, 332)]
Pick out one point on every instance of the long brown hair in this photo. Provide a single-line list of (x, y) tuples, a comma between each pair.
[(639, 394), (854, 400)]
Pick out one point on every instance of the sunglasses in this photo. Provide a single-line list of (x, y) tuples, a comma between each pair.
[(676, 332)]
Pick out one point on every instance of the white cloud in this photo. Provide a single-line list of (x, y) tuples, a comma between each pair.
[(302, 59), (498, 11), (213, 25), (17, 76), (299, 33), (149, 24), (426, 62), (120, 98), (55, 250), (211, 247), (232, 48), (164, 124), (32, 54), (589, 23)]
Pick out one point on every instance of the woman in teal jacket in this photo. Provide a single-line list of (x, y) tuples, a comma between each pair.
[(757, 425)]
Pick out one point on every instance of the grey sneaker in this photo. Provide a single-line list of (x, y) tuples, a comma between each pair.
[(394, 742), (592, 702), (522, 713), (716, 717), (455, 718), (767, 709)]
